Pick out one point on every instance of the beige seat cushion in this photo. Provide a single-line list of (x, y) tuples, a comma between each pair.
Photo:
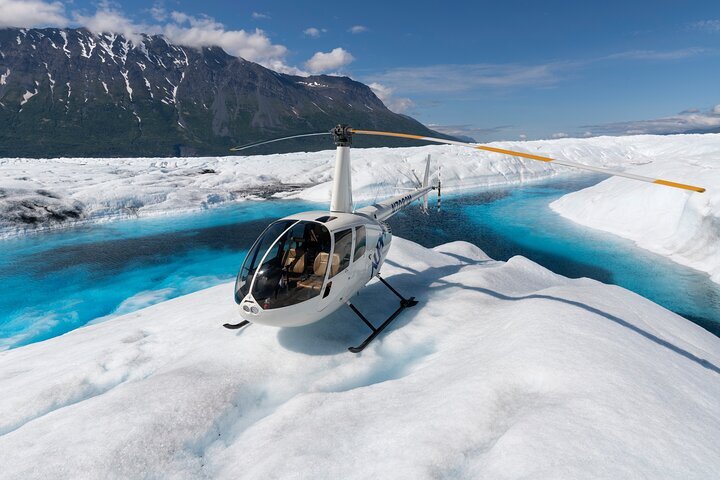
[(321, 264), (313, 282), (297, 265)]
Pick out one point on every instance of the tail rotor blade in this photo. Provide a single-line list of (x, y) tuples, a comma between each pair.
[(529, 156)]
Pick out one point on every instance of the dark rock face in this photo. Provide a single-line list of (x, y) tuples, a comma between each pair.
[(22, 207), (70, 92)]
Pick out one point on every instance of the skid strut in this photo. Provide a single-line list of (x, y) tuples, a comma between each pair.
[(235, 326), (404, 303)]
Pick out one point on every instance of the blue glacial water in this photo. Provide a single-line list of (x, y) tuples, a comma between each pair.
[(55, 282)]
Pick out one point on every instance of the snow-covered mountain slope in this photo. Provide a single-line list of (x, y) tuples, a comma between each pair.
[(504, 370), (683, 226), (72, 92)]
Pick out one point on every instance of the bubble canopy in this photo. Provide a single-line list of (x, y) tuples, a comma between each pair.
[(286, 265)]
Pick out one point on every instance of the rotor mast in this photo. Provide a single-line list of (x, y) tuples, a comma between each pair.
[(341, 201)]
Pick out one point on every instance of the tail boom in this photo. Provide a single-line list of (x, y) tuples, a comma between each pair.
[(387, 208)]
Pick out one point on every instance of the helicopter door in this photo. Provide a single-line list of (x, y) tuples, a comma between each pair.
[(358, 268), (338, 264)]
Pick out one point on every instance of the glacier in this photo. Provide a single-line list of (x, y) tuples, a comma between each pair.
[(683, 226), (504, 370), (49, 193)]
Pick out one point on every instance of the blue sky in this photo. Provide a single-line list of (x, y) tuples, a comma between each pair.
[(491, 70)]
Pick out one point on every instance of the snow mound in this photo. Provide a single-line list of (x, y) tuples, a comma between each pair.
[(682, 225), (504, 370)]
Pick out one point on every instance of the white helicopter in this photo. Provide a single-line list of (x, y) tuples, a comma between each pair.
[(306, 266)]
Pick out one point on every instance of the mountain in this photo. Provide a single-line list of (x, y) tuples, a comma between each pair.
[(70, 92), (701, 130)]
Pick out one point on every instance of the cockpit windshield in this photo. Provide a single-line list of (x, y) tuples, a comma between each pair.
[(294, 256), (255, 255)]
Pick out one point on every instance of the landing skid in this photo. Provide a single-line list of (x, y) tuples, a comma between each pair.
[(235, 326), (404, 303)]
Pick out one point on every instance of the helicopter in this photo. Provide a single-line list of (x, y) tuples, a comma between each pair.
[(305, 266)]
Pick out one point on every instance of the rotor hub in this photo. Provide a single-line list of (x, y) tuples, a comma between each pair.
[(342, 134)]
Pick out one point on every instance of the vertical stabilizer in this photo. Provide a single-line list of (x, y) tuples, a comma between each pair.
[(439, 187), (426, 182)]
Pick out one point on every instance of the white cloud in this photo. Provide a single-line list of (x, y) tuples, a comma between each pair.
[(689, 120), (381, 90), (324, 62), (312, 32), (712, 26), (204, 31), (473, 132), (357, 29), (462, 78), (279, 65), (459, 78), (655, 54), (178, 27), (260, 16), (385, 94), (158, 13), (32, 13), (107, 19)]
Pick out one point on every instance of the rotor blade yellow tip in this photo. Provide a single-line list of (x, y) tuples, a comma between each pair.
[(680, 185)]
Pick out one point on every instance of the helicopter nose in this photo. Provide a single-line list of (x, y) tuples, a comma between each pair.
[(248, 308)]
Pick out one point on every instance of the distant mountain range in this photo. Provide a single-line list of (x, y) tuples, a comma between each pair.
[(70, 92)]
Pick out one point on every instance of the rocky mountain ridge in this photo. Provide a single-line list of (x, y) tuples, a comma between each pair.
[(70, 92)]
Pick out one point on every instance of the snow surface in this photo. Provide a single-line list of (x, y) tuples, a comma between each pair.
[(504, 370), (39, 194), (681, 225), (27, 96)]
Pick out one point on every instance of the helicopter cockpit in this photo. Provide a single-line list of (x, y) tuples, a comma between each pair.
[(287, 264)]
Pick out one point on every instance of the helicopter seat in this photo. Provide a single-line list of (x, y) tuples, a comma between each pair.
[(319, 268), (321, 264), (295, 261)]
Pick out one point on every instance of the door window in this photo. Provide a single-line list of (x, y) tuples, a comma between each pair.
[(342, 252), (359, 242)]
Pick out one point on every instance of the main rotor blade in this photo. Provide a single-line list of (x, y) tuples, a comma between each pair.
[(257, 144), (530, 156)]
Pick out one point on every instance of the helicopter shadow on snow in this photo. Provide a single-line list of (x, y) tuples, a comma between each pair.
[(443, 284), (342, 329)]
